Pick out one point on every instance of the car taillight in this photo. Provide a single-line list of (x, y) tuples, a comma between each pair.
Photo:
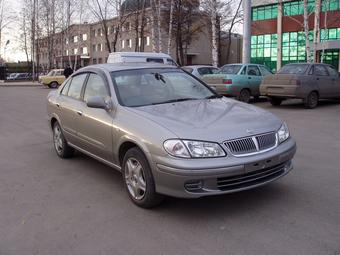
[(227, 81)]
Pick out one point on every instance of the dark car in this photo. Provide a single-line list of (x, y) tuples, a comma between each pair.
[(309, 82)]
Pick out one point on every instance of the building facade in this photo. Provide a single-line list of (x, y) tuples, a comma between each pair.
[(278, 36)]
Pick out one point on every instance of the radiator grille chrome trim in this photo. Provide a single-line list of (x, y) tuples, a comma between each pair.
[(252, 145)]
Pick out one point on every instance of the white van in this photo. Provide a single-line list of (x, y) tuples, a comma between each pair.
[(140, 57)]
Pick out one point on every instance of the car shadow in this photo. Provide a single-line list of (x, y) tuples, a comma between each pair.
[(293, 104)]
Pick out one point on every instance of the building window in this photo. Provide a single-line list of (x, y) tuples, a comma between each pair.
[(84, 36), (94, 61), (123, 44), (66, 41), (264, 12), (100, 60), (66, 53), (296, 7), (75, 51), (129, 43), (75, 39), (264, 50), (294, 47), (94, 48), (330, 5), (330, 34), (100, 32), (100, 47), (148, 41), (84, 50)]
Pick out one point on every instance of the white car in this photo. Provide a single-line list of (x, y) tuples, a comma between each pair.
[(200, 70), (140, 57)]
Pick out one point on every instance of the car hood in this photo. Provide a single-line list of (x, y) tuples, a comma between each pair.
[(211, 120)]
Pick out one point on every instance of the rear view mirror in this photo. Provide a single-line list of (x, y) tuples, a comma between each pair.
[(99, 103)]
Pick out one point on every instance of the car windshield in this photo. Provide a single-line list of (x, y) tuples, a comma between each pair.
[(294, 69), (231, 69), (157, 86), (51, 73)]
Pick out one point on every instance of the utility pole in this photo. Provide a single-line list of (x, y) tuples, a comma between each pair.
[(246, 31)]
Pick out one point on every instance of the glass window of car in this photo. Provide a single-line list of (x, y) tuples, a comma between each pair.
[(320, 70), (231, 69), (332, 71), (76, 86), (253, 70), (155, 60), (51, 73), (157, 86), (265, 71), (170, 62), (244, 70), (95, 86), (65, 88), (294, 69), (207, 70)]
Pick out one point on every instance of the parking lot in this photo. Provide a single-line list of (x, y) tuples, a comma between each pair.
[(79, 206)]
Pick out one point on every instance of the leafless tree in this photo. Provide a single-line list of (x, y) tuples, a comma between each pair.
[(171, 15), (6, 18)]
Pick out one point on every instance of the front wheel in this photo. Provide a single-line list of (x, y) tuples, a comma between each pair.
[(311, 101), (244, 96), (138, 179), (53, 85)]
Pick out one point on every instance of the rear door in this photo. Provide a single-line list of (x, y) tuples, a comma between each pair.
[(323, 80), (95, 125), (254, 79), (335, 76), (70, 104)]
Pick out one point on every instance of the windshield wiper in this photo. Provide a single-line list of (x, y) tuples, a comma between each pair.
[(175, 100), (214, 96)]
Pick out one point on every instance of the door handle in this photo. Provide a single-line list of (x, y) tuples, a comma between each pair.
[(80, 113)]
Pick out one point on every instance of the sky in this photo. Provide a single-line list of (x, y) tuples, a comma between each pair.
[(12, 52)]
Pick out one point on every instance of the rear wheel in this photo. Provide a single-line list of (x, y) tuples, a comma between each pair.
[(311, 101), (275, 101), (60, 144), (138, 179), (244, 96), (53, 85)]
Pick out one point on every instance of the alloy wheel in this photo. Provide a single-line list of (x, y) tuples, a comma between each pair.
[(57, 139), (135, 178)]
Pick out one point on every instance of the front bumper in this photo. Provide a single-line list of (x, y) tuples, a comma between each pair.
[(204, 177)]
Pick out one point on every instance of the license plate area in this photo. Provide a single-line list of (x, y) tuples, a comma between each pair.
[(262, 164)]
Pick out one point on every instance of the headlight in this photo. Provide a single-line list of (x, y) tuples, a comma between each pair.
[(283, 133), (194, 149)]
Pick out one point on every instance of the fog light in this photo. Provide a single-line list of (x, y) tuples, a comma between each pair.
[(194, 186)]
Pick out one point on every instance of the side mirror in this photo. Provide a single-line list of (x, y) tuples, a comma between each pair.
[(99, 103)]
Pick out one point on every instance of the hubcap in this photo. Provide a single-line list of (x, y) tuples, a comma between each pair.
[(57, 138), (245, 96), (134, 178)]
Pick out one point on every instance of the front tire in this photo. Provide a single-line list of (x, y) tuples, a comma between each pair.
[(312, 100), (138, 179), (53, 85), (61, 147)]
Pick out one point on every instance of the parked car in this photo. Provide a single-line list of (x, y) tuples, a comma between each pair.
[(200, 70), (167, 132), (239, 80), (11, 76), (309, 82), (20, 76), (140, 57), (53, 79)]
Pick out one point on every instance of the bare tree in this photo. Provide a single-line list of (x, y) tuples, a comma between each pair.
[(6, 18), (171, 14), (306, 30)]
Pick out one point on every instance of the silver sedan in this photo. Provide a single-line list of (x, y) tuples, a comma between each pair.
[(167, 132)]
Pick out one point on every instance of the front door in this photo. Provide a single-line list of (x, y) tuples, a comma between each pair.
[(95, 125), (254, 79), (335, 76), (324, 81)]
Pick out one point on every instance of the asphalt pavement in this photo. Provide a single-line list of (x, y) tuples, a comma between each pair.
[(51, 206)]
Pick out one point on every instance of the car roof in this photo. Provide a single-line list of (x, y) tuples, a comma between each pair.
[(126, 66), (199, 66), (141, 54)]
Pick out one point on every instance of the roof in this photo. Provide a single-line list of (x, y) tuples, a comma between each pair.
[(265, 2), (141, 54), (127, 66), (199, 66)]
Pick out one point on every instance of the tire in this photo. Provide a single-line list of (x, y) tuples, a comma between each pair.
[(61, 147), (275, 101), (53, 85), (311, 101), (244, 96), (138, 179)]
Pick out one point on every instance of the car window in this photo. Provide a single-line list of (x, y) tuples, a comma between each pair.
[(320, 70), (265, 71), (58, 73), (157, 86), (170, 62), (155, 60), (204, 70), (64, 90), (76, 86), (294, 69), (231, 69), (95, 86), (244, 70), (254, 71), (332, 71)]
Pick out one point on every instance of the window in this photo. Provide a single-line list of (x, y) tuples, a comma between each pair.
[(128, 43), (84, 50), (75, 39), (206, 70), (264, 12), (265, 71), (94, 48), (67, 52), (264, 50), (95, 86), (75, 51), (188, 69), (100, 61), (76, 86), (332, 71), (123, 44), (253, 71), (330, 5), (94, 61), (330, 34), (170, 62), (155, 60), (100, 32), (320, 70), (100, 47), (148, 41), (296, 7), (294, 69), (84, 36), (66, 87), (231, 69)]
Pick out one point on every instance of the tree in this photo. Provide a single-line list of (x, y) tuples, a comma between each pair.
[(6, 18), (171, 14)]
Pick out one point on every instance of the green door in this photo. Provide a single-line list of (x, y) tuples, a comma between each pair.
[(254, 79)]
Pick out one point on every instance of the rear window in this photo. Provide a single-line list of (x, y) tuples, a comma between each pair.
[(294, 69), (155, 60)]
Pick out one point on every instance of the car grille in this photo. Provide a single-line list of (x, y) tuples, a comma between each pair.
[(250, 179), (253, 144)]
